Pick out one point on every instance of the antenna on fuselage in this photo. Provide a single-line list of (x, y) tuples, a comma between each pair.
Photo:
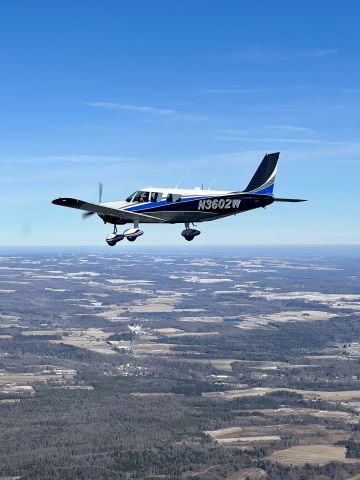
[(212, 183), (178, 183)]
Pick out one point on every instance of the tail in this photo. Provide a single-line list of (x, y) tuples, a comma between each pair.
[(264, 178)]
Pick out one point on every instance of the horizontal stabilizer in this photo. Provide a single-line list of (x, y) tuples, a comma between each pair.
[(289, 200)]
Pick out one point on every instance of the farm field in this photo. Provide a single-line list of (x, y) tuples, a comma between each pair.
[(312, 454), (183, 366)]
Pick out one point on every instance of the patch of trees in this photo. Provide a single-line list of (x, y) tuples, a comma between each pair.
[(352, 448)]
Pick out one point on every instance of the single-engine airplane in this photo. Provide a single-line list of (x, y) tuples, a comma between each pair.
[(177, 205)]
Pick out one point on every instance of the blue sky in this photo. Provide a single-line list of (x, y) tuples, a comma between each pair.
[(138, 93)]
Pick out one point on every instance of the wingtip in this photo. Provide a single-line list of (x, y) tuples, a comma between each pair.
[(65, 202)]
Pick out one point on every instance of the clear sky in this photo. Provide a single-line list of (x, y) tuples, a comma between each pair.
[(137, 93)]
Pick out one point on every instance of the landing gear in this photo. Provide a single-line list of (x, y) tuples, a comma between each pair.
[(190, 233), (130, 234), (114, 237)]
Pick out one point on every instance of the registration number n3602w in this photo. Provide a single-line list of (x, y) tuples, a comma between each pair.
[(218, 204)]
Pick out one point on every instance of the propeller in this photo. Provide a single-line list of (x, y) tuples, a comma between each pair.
[(88, 214), (100, 191)]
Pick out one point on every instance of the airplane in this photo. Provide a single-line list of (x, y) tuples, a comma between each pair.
[(177, 205)]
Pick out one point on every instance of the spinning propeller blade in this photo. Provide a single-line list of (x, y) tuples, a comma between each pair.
[(88, 214), (100, 191)]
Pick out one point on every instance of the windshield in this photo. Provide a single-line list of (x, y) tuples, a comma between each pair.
[(141, 196), (129, 198)]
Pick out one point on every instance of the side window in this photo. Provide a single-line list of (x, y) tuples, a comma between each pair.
[(155, 197), (173, 197)]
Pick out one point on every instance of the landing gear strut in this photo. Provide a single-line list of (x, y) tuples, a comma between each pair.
[(189, 233), (130, 234)]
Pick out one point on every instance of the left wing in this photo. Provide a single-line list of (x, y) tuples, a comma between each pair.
[(102, 209)]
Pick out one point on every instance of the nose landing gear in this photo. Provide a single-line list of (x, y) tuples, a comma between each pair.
[(190, 233)]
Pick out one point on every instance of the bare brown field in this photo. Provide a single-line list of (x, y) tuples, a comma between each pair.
[(152, 348), (249, 474), (336, 396), (306, 434), (313, 454), (247, 440), (346, 417), (92, 339)]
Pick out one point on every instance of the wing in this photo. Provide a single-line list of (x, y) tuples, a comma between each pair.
[(102, 209)]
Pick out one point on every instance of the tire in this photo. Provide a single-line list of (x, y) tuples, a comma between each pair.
[(131, 239), (111, 244), (189, 238)]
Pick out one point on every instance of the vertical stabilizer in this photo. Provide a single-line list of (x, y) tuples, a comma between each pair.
[(264, 178)]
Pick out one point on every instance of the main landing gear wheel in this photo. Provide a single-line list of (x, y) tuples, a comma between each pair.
[(190, 233), (114, 237), (189, 238), (130, 234)]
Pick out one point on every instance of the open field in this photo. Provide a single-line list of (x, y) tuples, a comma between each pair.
[(336, 396), (92, 339), (249, 474), (284, 412), (313, 454), (259, 321)]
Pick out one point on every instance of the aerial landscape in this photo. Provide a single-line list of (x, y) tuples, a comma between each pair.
[(194, 312), (220, 365)]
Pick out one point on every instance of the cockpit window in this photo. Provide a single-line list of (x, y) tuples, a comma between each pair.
[(173, 197), (130, 197), (141, 196)]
